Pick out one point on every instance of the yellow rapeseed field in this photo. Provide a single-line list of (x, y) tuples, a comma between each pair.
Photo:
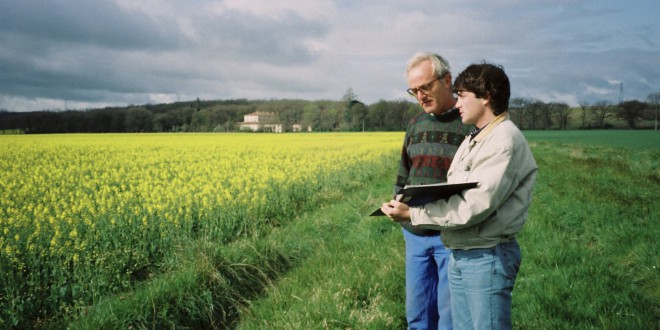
[(82, 215)]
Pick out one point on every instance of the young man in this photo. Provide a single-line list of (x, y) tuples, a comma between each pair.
[(432, 137), (480, 225)]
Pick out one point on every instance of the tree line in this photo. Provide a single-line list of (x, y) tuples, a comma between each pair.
[(347, 114), (534, 114)]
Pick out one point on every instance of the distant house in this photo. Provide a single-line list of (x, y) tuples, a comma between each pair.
[(262, 122), (266, 122)]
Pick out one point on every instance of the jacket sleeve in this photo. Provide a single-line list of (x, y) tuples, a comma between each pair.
[(493, 167)]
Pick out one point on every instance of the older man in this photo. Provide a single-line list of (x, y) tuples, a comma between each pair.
[(432, 137)]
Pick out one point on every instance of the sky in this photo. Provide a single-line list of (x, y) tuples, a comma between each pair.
[(75, 55)]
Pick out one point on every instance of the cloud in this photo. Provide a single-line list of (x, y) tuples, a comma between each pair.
[(122, 52), (71, 23)]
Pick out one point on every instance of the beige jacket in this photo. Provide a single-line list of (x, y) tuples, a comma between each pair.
[(500, 159)]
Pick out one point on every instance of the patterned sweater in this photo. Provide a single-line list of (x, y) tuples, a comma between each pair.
[(429, 146)]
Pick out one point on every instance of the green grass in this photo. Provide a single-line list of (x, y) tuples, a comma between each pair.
[(589, 256), (636, 139)]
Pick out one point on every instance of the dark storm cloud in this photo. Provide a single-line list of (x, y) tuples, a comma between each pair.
[(100, 23), (59, 49), (77, 49), (118, 52)]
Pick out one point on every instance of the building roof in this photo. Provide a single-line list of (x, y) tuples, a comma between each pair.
[(261, 113)]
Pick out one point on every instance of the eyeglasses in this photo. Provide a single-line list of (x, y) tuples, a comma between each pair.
[(425, 89)]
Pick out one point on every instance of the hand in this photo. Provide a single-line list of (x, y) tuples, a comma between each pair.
[(396, 211)]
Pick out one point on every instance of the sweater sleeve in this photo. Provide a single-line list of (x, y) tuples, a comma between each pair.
[(404, 165)]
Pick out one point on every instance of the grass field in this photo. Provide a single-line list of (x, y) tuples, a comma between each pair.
[(589, 252), (590, 257), (636, 140)]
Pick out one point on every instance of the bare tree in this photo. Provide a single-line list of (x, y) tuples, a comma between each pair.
[(546, 112), (517, 111), (561, 111), (584, 105), (654, 100), (603, 110), (534, 109), (631, 112)]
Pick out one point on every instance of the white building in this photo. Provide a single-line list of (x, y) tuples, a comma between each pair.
[(261, 121), (267, 122)]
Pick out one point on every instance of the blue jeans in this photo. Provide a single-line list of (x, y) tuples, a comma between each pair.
[(428, 303), (481, 282)]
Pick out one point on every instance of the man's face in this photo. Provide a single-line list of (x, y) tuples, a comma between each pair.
[(472, 108), (433, 93)]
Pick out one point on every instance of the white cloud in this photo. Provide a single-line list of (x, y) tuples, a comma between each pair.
[(163, 98), (598, 91), (279, 9)]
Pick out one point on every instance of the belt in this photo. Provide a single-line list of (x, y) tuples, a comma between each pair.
[(419, 231)]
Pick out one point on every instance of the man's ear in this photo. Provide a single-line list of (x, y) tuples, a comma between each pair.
[(486, 100), (447, 79)]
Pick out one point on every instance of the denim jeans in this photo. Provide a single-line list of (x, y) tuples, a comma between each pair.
[(428, 303), (481, 282)]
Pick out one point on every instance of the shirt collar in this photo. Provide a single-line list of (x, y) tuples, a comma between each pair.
[(482, 132)]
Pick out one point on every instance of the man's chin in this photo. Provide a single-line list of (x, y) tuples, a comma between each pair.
[(430, 108)]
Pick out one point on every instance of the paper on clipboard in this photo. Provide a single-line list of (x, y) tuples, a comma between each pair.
[(415, 195)]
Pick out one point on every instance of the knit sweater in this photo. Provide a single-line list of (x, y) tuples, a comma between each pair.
[(428, 149)]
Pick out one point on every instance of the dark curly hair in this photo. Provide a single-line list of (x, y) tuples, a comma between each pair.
[(486, 80)]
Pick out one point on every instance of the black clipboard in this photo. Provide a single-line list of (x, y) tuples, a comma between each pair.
[(416, 195)]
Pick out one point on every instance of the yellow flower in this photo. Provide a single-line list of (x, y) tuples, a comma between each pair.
[(75, 197)]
